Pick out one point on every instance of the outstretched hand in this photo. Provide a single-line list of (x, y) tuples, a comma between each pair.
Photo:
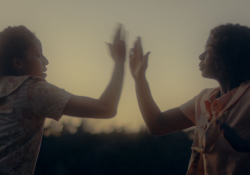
[(239, 144), (118, 48), (138, 62)]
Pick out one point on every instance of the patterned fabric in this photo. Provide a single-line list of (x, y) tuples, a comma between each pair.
[(211, 153), (25, 102)]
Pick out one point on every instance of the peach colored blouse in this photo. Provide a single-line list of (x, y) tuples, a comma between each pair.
[(211, 153)]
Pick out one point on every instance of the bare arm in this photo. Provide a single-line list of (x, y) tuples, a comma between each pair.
[(106, 105), (158, 123)]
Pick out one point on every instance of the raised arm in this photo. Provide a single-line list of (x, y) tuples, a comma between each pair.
[(158, 123), (106, 105)]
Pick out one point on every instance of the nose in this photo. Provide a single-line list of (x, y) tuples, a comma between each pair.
[(201, 57), (45, 61)]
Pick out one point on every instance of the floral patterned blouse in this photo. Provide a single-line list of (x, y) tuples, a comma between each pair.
[(25, 102)]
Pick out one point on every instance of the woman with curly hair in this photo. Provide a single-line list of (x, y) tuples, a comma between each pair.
[(226, 59), (27, 99)]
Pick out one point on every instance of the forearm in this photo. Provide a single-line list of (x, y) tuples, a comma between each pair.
[(149, 109), (112, 93), (106, 105)]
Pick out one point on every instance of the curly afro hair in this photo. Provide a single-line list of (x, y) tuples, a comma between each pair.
[(230, 50), (14, 42)]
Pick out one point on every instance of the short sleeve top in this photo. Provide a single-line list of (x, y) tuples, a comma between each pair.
[(25, 102), (218, 157)]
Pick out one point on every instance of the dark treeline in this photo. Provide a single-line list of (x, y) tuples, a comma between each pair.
[(116, 153)]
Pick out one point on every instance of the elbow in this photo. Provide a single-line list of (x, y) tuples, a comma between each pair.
[(157, 132), (113, 113), (153, 131), (110, 113)]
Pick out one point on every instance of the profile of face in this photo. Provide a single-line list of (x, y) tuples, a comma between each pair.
[(34, 63), (206, 66)]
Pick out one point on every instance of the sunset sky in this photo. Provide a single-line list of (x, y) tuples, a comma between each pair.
[(74, 35)]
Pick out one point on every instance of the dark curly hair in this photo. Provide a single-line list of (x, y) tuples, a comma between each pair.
[(14, 42), (230, 50)]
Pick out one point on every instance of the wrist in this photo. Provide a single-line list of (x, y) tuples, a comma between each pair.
[(120, 62), (141, 79)]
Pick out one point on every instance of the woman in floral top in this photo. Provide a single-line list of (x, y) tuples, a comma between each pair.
[(26, 99), (226, 59)]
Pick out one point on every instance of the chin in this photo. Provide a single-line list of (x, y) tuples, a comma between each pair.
[(43, 75), (204, 75), (40, 76)]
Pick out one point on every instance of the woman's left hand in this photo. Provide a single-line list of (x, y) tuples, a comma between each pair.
[(239, 144)]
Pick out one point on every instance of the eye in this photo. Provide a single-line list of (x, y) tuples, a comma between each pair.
[(38, 55), (207, 50)]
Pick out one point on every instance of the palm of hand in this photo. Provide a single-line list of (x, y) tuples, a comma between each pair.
[(138, 62), (137, 68), (118, 48)]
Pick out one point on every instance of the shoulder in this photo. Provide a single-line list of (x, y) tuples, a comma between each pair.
[(198, 99), (9, 84), (205, 93), (38, 87)]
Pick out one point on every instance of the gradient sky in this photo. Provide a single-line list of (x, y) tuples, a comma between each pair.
[(74, 32)]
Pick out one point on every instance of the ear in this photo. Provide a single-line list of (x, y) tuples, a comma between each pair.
[(17, 63)]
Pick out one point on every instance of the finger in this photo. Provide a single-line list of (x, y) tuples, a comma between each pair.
[(132, 56), (137, 50), (131, 52), (146, 56), (145, 60), (135, 46), (124, 35), (111, 49), (118, 34), (140, 47), (135, 43), (110, 46), (123, 48)]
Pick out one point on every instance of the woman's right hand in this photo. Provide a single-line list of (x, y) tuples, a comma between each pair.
[(118, 48), (138, 62)]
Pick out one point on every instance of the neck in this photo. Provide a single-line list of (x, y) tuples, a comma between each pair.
[(226, 85)]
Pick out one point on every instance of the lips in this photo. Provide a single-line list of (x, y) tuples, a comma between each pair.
[(44, 74), (201, 67), (44, 70)]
